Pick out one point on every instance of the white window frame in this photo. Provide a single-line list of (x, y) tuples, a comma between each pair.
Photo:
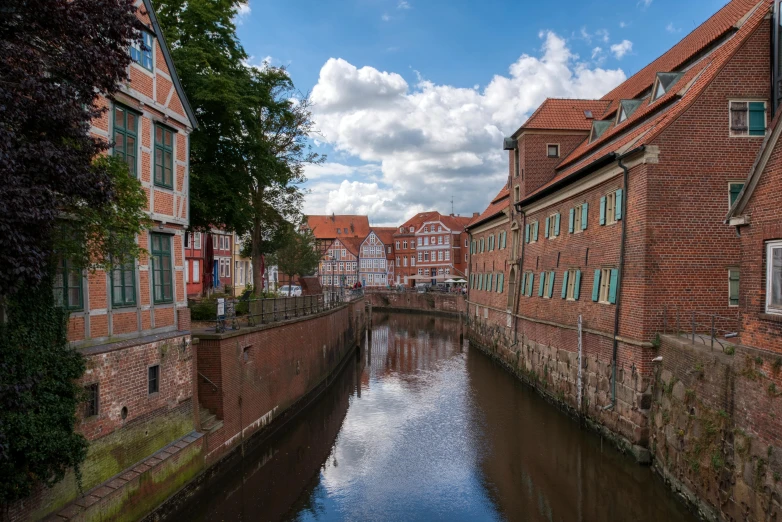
[(578, 213), (552, 225), (196, 271), (611, 208), (197, 241), (571, 284), (770, 247)]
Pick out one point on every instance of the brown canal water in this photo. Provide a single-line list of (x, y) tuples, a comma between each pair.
[(419, 427)]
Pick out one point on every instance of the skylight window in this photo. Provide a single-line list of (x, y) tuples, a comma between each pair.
[(664, 82), (598, 129), (626, 109)]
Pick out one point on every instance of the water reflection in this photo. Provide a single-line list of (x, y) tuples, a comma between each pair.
[(420, 428)]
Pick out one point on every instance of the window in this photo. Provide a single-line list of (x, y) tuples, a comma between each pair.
[(404, 244), (426, 241), (481, 244), (412, 229), (125, 136), (412, 261), (611, 208), (420, 241), (397, 245), (552, 225), (447, 255), (439, 255), (187, 272), (774, 277), (571, 285), (578, 218), (91, 404), (164, 157), (161, 268), (447, 240), (421, 256), (527, 281), (439, 240), (426, 256), (531, 232), (734, 189), (142, 54), (68, 286), (500, 283), (404, 261), (747, 118), (196, 271), (550, 276), (153, 373), (733, 287), (123, 285), (516, 193), (552, 150), (426, 229), (605, 285), (466, 258), (339, 231)]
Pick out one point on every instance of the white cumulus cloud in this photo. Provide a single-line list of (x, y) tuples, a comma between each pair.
[(434, 141), (621, 49)]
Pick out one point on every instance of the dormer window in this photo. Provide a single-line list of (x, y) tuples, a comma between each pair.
[(663, 84), (626, 109), (338, 231), (598, 129)]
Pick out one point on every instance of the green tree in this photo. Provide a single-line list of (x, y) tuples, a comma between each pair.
[(297, 257), (249, 152)]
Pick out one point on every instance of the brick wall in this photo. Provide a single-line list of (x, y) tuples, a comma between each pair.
[(260, 372), (716, 429), (537, 168), (414, 301)]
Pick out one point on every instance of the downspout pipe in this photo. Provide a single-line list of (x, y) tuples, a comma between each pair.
[(520, 265), (620, 279)]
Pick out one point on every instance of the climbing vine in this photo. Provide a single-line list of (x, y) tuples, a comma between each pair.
[(38, 394)]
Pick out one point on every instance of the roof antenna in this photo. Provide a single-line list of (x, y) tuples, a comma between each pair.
[(452, 205)]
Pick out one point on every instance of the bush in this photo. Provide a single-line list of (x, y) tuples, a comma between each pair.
[(204, 310)]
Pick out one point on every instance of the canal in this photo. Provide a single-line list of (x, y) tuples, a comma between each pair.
[(419, 427)]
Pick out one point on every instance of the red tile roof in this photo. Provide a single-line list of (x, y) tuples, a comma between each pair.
[(385, 234), (500, 202), (698, 40), (325, 227), (351, 244), (564, 114), (650, 119)]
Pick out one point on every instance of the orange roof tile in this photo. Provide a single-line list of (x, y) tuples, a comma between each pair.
[(564, 114), (385, 234), (698, 40), (325, 227), (650, 119), (351, 244), (500, 202)]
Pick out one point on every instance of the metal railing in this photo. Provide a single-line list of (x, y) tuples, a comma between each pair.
[(702, 327), (256, 312)]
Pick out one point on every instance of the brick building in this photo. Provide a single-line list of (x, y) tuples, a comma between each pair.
[(223, 246), (757, 218), (431, 247), (376, 267), (491, 272), (133, 324), (339, 265), (327, 230), (195, 254), (620, 204)]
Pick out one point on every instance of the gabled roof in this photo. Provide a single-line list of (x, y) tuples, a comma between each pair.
[(770, 143), (650, 119), (325, 227), (385, 234), (170, 63), (565, 114), (455, 223), (351, 244), (697, 41), (416, 221), (498, 205)]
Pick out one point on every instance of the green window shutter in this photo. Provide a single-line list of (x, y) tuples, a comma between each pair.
[(577, 286), (757, 119), (618, 205), (505, 239), (564, 284), (602, 211), (584, 214), (530, 284), (735, 190), (556, 224), (550, 288), (480, 249), (537, 226), (613, 287), (596, 286), (492, 280), (548, 224), (572, 220), (502, 283), (524, 283), (542, 284), (733, 287), (526, 233)]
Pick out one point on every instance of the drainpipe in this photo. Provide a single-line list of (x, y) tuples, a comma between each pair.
[(518, 279), (620, 279)]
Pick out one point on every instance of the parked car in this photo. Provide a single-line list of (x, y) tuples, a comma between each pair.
[(287, 291)]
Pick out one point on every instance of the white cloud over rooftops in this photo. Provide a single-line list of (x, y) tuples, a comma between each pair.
[(431, 141)]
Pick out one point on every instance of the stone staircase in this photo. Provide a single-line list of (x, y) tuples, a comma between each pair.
[(209, 421)]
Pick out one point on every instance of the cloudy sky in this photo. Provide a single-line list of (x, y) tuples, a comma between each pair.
[(413, 97)]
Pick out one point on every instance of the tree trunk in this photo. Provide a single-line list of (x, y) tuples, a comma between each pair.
[(257, 257)]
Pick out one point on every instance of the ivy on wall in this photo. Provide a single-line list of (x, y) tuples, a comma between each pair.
[(38, 394)]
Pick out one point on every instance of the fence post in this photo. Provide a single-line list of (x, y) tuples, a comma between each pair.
[(712, 333), (693, 328)]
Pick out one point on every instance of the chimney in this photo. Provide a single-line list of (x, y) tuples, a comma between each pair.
[(451, 215), (475, 214)]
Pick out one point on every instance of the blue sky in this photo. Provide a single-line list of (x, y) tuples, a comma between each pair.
[(413, 96)]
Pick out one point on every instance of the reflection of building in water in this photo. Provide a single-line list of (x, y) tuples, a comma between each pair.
[(280, 472), (405, 344), (547, 469)]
